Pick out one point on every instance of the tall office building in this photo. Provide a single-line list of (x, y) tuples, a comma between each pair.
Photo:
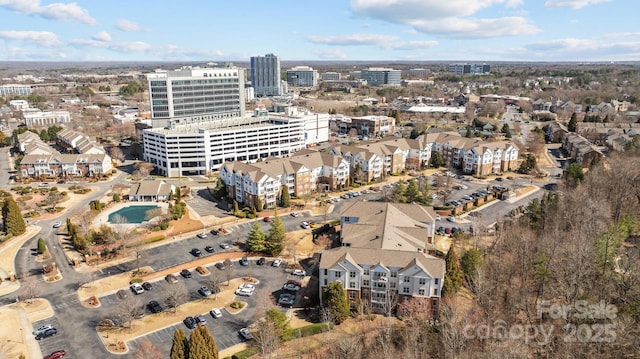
[(475, 69), (380, 76), (302, 76), (265, 75), (195, 91)]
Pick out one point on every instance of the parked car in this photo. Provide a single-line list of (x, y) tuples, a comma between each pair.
[(154, 307), (305, 225), (196, 252), (139, 314), (171, 279), (267, 219), (209, 249), (56, 355), (185, 273), (216, 313), (440, 230), (299, 272), (294, 214), (292, 285), (244, 261), (220, 266), (57, 224), (214, 232), (147, 286), (287, 300), (190, 322), (246, 289), (225, 245), (451, 219), (276, 262), (261, 261), (202, 235), (204, 291), (42, 328), (47, 333), (245, 334), (447, 230), (438, 218), (200, 319), (137, 288)]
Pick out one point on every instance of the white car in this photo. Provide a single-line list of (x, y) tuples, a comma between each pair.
[(246, 289), (216, 313), (137, 288), (294, 214), (299, 272), (305, 225), (276, 262), (57, 224), (42, 329), (245, 333), (286, 300), (202, 235)]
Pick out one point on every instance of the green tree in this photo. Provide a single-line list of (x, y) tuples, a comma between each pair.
[(335, 301), (285, 198), (436, 159), (259, 206), (178, 196), (469, 134), (275, 238), (470, 262), (180, 346), (506, 130), (130, 89), (412, 192), (201, 344), (279, 320), (398, 192), (235, 207), (42, 246), (453, 276), (12, 217), (256, 240), (424, 197), (573, 123), (530, 163), (574, 175)]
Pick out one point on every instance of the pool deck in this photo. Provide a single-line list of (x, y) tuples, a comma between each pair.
[(103, 218)]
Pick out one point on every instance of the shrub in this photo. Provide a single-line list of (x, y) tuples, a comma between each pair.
[(136, 280), (24, 198), (154, 239), (42, 246), (237, 305), (114, 171), (247, 353), (306, 331), (164, 225)]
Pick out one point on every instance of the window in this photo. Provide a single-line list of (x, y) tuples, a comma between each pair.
[(326, 271), (394, 274), (407, 279), (437, 280), (352, 284), (325, 282), (365, 282), (366, 272), (423, 281), (365, 292), (393, 285), (420, 291), (338, 274), (405, 290), (435, 291), (352, 295), (352, 274)]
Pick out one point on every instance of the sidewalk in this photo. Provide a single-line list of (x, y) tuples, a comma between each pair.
[(8, 252)]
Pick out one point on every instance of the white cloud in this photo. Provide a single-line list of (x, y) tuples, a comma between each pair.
[(102, 36), (135, 46), (30, 54), (451, 18), (387, 42), (81, 43), (55, 11), (42, 38), (599, 49), (574, 4), (127, 26)]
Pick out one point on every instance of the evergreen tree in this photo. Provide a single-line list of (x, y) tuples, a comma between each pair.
[(469, 134), (259, 205), (235, 207), (453, 275), (256, 240), (275, 238), (279, 320), (208, 347), (506, 130), (179, 348), (573, 123), (398, 192), (471, 261), (42, 247), (412, 193), (285, 198), (335, 300), (424, 198), (574, 174), (12, 217), (436, 159), (178, 195)]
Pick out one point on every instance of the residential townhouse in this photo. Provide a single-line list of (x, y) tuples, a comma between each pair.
[(364, 165), (386, 256), (580, 149), (76, 142), (65, 165), (555, 131)]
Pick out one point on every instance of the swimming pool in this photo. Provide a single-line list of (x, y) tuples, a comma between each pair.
[(132, 214)]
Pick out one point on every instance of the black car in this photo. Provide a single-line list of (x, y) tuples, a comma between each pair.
[(185, 273), (261, 261), (147, 286), (47, 333), (220, 266), (214, 232), (196, 252), (190, 322), (209, 249), (154, 307)]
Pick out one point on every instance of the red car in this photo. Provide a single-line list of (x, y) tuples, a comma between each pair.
[(447, 230), (267, 219), (56, 355)]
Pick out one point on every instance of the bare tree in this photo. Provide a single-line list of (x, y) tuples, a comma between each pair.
[(175, 293), (116, 153), (154, 216), (346, 347), (147, 350), (266, 337), (29, 288), (213, 282), (229, 270), (128, 308), (143, 168)]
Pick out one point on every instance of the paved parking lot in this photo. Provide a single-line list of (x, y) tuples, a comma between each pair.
[(56, 342), (202, 203)]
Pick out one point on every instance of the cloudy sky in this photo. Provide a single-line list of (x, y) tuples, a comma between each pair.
[(375, 30)]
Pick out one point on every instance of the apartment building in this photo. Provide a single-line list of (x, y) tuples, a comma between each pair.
[(330, 76), (304, 173), (386, 256), (15, 90), (465, 69), (265, 75), (302, 76), (65, 165), (364, 165), (580, 149), (195, 91), (77, 142), (35, 117), (372, 125)]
